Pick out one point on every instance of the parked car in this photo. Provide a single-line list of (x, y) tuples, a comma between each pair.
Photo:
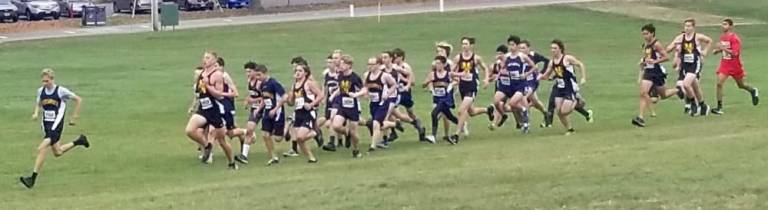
[(232, 4), (127, 5), (8, 11), (195, 4), (73, 8), (37, 9)]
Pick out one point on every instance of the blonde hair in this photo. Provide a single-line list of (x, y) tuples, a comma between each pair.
[(47, 72), (347, 59), (446, 46)]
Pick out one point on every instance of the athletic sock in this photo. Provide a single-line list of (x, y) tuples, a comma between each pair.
[(34, 175), (245, 149), (295, 146), (719, 104), (582, 111), (332, 140)]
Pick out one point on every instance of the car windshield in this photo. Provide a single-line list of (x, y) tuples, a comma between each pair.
[(4, 2)]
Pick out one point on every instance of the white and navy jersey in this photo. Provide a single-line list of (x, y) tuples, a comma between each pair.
[(271, 92), (468, 66), (53, 102), (228, 102), (402, 81), (376, 87), (206, 100), (650, 53), (690, 51), (301, 96), (254, 92), (442, 90), (564, 76), (331, 84), (515, 68)]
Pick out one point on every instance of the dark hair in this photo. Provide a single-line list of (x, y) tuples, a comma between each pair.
[(502, 49), (526, 42), (399, 53), (299, 60), (729, 21), (441, 58), (261, 68), (307, 71), (649, 28), (513, 38), (199, 68), (330, 56), (690, 20), (559, 44), (471, 40), (250, 65), (220, 61)]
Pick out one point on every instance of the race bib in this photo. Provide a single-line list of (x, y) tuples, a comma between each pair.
[(299, 102), (348, 102), (49, 116), (439, 92), (726, 55), (515, 75), (375, 97), (467, 77), (505, 81), (254, 105), (650, 66), (688, 58), (268, 104), (206, 103), (560, 83)]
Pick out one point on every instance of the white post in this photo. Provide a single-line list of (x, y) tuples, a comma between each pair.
[(351, 10), (442, 6), (378, 13), (133, 8), (155, 16)]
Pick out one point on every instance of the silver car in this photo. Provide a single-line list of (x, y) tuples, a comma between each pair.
[(73, 8), (38, 9), (8, 11)]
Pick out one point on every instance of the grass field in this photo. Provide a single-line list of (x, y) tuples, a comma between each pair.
[(136, 89)]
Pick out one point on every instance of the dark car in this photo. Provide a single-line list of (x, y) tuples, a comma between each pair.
[(8, 11), (195, 4), (73, 8)]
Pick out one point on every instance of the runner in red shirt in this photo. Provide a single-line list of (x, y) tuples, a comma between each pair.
[(730, 65)]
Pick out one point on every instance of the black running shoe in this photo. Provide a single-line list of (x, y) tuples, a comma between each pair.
[(704, 110), (233, 166), (694, 109), (207, 152), (717, 111), (453, 139), (273, 161), (312, 161), (504, 118), (28, 182), (489, 112), (755, 96), (392, 137), (347, 140), (639, 122), (319, 138), (399, 127), (329, 147), (356, 154), (82, 140), (241, 159), (680, 93)]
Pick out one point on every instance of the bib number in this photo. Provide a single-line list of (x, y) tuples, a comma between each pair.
[(560, 83), (375, 97), (49, 116), (505, 81), (439, 92), (467, 76), (514, 75), (726, 55), (348, 102), (688, 58), (268, 104), (206, 103), (299, 103)]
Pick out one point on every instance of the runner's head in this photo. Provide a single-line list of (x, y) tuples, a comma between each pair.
[(374, 63), (439, 63), (386, 57), (249, 67), (648, 31), (299, 61), (467, 43), (260, 72), (557, 48), (689, 26), (47, 77), (301, 71), (220, 63), (399, 55), (346, 64), (444, 49), (336, 56), (524, 46), (727, 25), (209, 59), (512, 42), (501, 50)]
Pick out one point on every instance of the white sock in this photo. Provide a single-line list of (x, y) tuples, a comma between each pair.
[(246, 147)]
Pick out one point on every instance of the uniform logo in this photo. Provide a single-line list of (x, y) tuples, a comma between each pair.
[(201, 86), (49, 102), (648, 52), (688, 47), (559, 71), (345, 85), (466, 67), (298, 93)]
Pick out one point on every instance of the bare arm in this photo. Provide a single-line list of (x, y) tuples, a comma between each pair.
[(580, 65), (218, 85), (232, 87), (428, 79), (671, 46), (312, 87), (707, 42), (78, 101), (530, 63), (37, 110), (392, 83), (546, 73)]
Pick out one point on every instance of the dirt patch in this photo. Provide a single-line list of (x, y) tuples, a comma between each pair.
[(124, 19), (641, 9)]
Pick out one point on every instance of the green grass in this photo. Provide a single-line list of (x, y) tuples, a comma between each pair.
[(136, 89), (738, 8)]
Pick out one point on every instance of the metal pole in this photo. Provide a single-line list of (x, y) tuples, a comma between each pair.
[(442, 6), (351, 10), (378, 12), (153, 7)]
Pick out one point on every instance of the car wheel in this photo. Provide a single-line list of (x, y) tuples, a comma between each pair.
[(115, 9), (56, 16), (15, 19), (29, 15)]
